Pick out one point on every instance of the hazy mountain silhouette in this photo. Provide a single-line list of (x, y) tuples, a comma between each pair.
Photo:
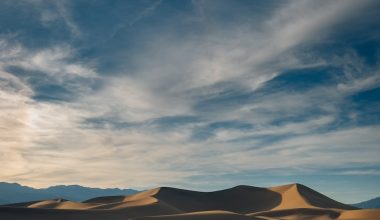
[(369, 204), (14, 192)]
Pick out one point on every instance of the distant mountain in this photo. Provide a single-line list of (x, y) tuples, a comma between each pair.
[(14, 193), (370, 204)]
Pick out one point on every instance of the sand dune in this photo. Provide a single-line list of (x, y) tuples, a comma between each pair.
[(205, 215), (368, 214), (298, 213), (61, 204), (294, 201), (300, 196)]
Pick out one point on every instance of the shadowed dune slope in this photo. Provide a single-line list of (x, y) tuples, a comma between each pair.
[(240, 199), (294, 201)]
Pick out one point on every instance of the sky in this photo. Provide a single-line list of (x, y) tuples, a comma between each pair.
[(203, 95)]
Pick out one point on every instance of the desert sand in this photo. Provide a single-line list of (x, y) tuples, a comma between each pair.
[(288, 202)]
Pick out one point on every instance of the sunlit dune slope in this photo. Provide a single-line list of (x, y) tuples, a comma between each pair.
[(61, 204), (367, 214)]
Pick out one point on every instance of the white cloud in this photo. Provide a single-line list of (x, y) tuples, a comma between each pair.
[(66, 16), (313, 151), (364, 172), (54, 61), (176, 72), (48, 143)]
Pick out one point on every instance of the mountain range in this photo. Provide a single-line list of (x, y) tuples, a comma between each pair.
[(370, 204), (14, 193)]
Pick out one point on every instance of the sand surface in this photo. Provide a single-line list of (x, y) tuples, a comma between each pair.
[(288, 202)]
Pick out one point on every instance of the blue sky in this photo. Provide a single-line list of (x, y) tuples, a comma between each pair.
[(195, 94)]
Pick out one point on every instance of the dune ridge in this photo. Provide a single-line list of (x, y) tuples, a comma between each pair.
[(293, 201)]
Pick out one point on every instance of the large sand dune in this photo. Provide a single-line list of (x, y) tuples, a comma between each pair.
[(294, 201)]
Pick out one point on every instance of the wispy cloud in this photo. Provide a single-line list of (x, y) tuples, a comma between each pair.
[(51, 11), (219, 97), (370, 172)]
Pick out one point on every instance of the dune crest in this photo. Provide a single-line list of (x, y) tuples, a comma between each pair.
[(300, 196), (293, 201)]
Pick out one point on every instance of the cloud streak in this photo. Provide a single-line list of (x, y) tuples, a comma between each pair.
[(189, 97)]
